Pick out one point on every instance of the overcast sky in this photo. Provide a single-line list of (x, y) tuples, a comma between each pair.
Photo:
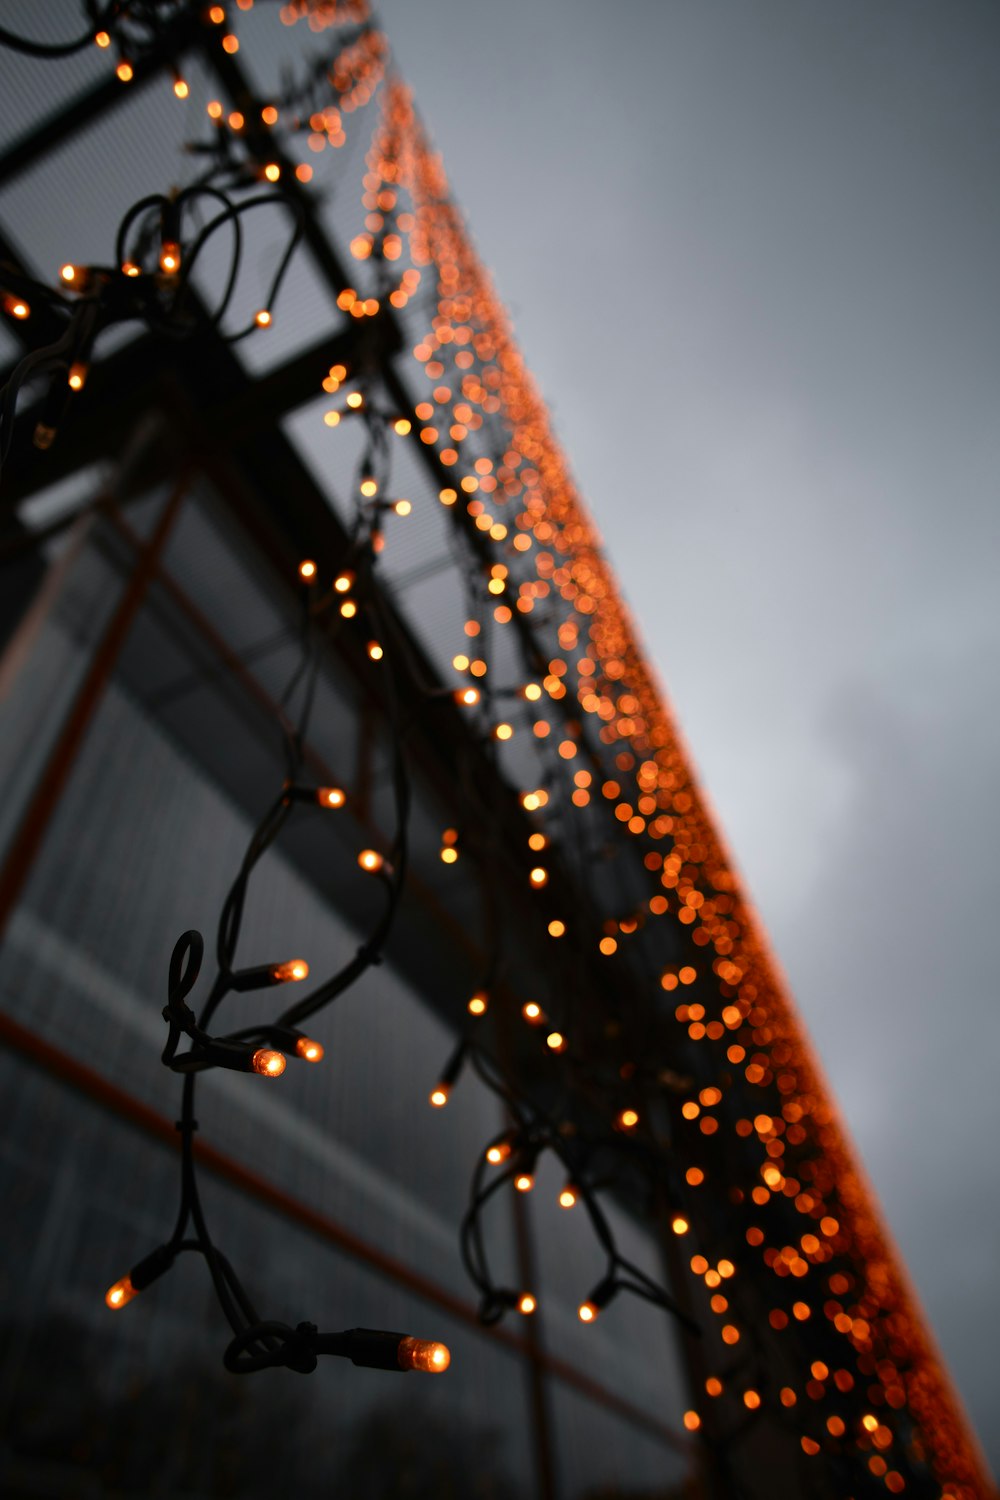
[(751, 250)]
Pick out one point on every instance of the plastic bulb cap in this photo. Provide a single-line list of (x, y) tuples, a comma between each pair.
[(268, 1063), (122, 1292), (418, 1354), (294, 969)]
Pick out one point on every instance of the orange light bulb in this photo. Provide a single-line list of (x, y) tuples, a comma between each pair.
[(498, 1152), (567, 1198), (468, 696), (77, 376), (526, 1304), (307, 570), (555, 1041), (533, 1013), (370, 860), (478, 1003), (417, 1354), (123, 1291), (309, 1050), (439, 1096), (330, 796), (268, 1063), (586, 1312), (524, 1182), (263, 318), (295, 968), (170, 257)]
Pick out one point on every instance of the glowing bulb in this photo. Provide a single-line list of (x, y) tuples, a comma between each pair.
[(403, 425), (355, 400), (369, 487), (692, 1421), (375, 651), (268, 1063), (180, 88), (123, 1291), (533, 1013), (348, 609), (272, 171), (503, 732), (537, 841), (295, 968), (330, 796), (371, 860), (526, 1303), (263, 318), (125, 71), (532, 692), (567, 1198), (102, 39), (402, 507), (16, 307), (628, 1119), (170, 257), (468, 696), (307, 570), (68, 273), (77, 376), (309, 1050), (538, 877), (679, 1224), (439, 1096), (498, 1152), (478, 1003), (557, 929), (524, 1182), (586, 1312), (342, 582), (449, 857), (556, 1041), (416, 1354), (129, 268)]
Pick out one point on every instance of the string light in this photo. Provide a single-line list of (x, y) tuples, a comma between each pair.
[(737, 1035)]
